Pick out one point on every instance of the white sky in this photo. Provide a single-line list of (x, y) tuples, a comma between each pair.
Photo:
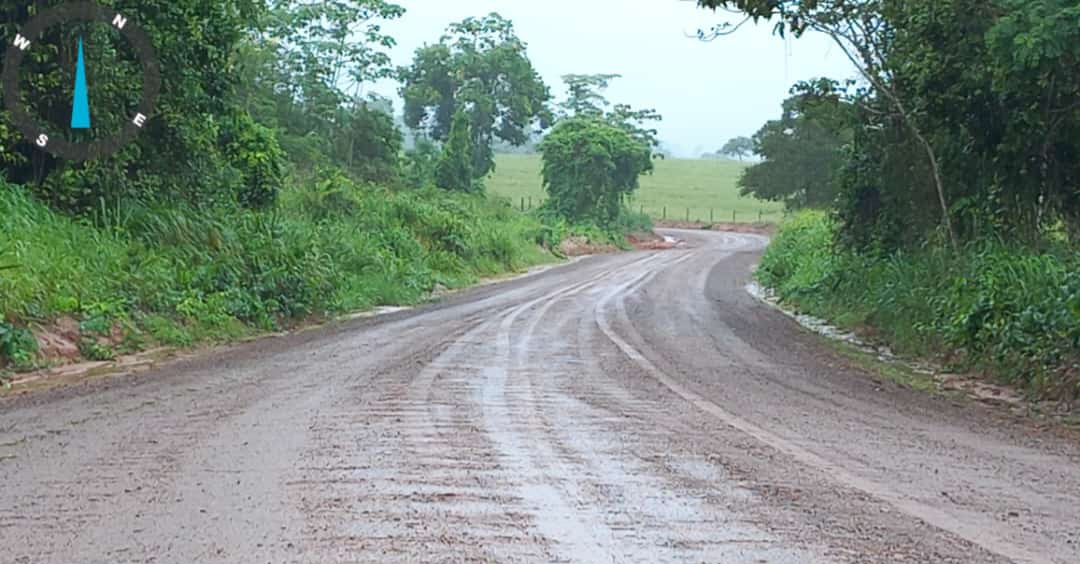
[(707, 92)]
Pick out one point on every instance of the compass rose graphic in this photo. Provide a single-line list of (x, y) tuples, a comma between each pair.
[(42, 133)]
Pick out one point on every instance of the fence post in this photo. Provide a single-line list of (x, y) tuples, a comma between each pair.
[(665, 213), (642, 210), (759, 216), (522, 204), (687, 214), (530, 203), (710, 215), (732, 216)]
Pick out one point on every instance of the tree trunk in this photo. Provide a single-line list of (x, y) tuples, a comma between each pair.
[(866, 68), (938, 184)]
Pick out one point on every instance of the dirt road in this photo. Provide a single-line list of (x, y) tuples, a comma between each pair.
[(638, 407)]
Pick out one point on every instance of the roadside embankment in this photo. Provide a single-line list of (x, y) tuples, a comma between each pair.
[(1008, 312)]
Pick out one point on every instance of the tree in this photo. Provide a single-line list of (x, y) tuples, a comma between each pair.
[(306, 73), (1034, 61), (420, 162), (861, 32), (591, 167), (370, 145), (586, 99), (479, 67), (635, 122), (803, 150), (738, 147), (585, 94), (454, 170)]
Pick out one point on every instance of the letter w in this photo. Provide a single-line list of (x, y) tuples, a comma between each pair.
[(21, 42)]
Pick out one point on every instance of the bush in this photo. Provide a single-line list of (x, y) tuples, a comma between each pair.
[(253, 149), (1008, 310), (590, 168)]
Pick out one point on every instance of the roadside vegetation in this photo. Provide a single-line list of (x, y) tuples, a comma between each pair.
[(946, 181), (1002, 308), (177, 276), (269, 191)]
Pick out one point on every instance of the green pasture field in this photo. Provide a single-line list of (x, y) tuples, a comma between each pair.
[(703, 189)]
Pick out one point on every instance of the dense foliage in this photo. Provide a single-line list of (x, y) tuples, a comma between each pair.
[(956, 172), (454, 171), (177, 275), (591, 167), (972, 107), (595, 154), (996, 307), (803, 151), (479, 67), (305, 65)]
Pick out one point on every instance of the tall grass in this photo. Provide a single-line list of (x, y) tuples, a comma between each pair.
[(179, 275), (1011, 311)]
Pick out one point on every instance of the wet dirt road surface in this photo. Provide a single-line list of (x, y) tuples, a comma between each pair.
[(639, 407)]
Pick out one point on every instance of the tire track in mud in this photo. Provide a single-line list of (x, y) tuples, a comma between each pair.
[(626, 510), (547, 485), (425, 478), (616, 300), (205, 456)]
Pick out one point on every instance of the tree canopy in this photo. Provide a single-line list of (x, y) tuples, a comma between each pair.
[(968, 105), (738, 147), (585, 94), (803, 150), (479, 67)]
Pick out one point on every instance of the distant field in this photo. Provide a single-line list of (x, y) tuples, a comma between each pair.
[(700, 186)]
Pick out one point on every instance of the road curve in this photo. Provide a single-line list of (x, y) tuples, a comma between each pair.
[(638, 407)]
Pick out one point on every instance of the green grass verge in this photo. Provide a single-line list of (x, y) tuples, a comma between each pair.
[(140, 276), (700, 186), (1009, 311)]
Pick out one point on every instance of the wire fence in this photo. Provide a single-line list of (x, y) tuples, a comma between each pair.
[(686, 214)]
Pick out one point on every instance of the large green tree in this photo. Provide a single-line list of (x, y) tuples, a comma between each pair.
[(453, 169), (971, 105), (479, 67), (804, 149)]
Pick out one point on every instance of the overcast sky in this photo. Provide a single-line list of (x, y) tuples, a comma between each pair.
[(707, 92)]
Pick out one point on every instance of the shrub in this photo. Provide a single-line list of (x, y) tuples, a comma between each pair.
[(253, 149), (590, 168)]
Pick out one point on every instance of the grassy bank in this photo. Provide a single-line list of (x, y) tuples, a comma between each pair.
[(132, 278), (1013, 313), (677, 184)]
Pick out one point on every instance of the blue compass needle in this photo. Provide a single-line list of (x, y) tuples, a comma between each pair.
[(80, 106)]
